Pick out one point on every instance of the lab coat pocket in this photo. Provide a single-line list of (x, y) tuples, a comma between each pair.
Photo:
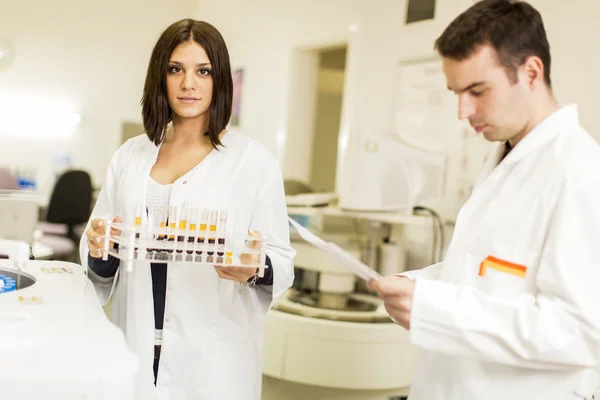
[(503, 270), (235, 317)]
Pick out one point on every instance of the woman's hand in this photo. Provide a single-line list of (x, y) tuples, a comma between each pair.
[(242, 274), (95, 236)]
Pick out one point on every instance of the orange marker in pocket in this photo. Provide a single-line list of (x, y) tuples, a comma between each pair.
[(503, 266)]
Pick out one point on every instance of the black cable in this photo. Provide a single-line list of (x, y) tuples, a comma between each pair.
[(439, 224), (443, 238), (418, 210)]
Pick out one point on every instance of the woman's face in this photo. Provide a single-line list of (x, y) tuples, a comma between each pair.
[(189, 81)]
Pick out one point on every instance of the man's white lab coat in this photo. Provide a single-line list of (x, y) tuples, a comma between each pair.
[(513, 312)]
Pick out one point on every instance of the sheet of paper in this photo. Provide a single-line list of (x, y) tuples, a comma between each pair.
[(356, 266), (308, 235)]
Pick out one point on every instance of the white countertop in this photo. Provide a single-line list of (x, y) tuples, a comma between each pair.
[(61, 345), (380, 216)]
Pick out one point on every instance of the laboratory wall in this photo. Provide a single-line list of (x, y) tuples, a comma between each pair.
[(326, 127), (263, 35), (92, 54)]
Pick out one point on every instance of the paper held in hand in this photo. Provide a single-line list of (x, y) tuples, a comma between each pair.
[(356, 266)]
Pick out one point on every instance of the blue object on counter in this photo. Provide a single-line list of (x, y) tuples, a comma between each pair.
[(9, 284)]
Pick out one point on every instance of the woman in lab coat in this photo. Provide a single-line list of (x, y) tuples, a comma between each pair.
[(200, 327)]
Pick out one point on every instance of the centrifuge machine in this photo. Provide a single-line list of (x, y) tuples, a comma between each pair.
[(326, 341), (55, 341)]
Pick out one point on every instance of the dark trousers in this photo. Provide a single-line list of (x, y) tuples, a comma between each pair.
[(156, 360)]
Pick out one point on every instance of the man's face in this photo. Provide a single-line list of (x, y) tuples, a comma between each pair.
[(493, 104)]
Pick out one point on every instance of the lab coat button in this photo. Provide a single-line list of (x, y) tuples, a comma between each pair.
[(184, 182), (168, 319)]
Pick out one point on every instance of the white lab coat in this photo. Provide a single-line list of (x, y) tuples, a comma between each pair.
[(212, 335), (503, 336)]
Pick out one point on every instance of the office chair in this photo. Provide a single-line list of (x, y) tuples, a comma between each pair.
[(70, 204), (7, 180)]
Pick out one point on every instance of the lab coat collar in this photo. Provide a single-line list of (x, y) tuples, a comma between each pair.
[(153, 150), (559, 122)]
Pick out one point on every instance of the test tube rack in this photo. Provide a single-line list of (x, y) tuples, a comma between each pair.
[(203, 243)]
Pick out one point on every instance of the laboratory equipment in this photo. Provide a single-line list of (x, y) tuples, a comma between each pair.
[(385, 174), (391, 258), (7, 283), (311, 199), (187, 235), (326, 340), (55, 341), (19, 214)]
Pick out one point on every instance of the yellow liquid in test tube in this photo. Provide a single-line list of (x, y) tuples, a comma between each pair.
[(163, 224), (182, 226), (138, 220), (172, 225), (211, 239)]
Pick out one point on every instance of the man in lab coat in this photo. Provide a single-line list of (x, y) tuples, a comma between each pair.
[(513, 311)]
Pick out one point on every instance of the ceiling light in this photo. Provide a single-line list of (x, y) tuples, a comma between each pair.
[(45, 116), (6, 54)]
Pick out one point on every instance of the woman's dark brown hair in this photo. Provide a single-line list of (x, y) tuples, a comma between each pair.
[(156, 112)]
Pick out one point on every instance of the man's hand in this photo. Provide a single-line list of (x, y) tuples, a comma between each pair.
[(397, 294)]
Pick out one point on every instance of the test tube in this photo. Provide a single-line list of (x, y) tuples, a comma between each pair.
[(163, 222), (193, 218), (172, 226), (182, 228), (202, 233), (164, 217), (221, 231), (212, 232), (172, 222), (182, 223), (230, 236), (138, 220), (148, 237)]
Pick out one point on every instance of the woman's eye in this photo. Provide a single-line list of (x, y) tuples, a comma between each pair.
[(204, 71), (174, 69)]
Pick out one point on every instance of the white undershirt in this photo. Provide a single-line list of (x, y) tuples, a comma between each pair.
[(157, 195)]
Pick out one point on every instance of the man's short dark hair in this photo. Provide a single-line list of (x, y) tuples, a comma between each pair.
[(513, 28)]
